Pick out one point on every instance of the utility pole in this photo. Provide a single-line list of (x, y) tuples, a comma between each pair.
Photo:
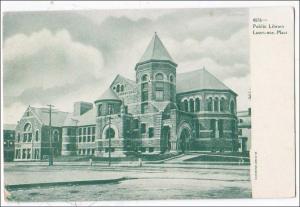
[(50, 136), (109, 139)]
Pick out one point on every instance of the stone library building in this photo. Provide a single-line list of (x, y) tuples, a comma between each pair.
[(160, 111)]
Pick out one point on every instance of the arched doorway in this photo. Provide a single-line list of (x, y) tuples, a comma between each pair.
[(184, 137), (165, 141)]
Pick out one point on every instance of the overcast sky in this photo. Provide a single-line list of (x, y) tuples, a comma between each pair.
[(63, 57)]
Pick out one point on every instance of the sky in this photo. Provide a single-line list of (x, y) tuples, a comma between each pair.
[(60, 57)]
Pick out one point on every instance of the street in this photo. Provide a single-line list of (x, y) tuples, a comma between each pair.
[(150, 182)]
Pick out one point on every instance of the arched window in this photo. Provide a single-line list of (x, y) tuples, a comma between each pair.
[(222, 104), (110, 133), (192, 105), (216, 104), (118, 88), (122, 88), (27, 133), (144, 78), (99, 109), (171, 78), (19, 137), (27, 127), (185, 105), (37, 135), (209, 104), (232, 107), (159, 77), (197, 103)]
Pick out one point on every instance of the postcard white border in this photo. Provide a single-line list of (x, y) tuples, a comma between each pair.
[(72, 5)]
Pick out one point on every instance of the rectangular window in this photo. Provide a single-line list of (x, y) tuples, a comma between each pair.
[(151, 149), (24, 154), (80, 131), (84, 138), (144, 108), (110, 109), (143, 128), (93, 130), (135, 123), (83, 151), (159, 86), (88, 151), (213, 127), (84, 131), (159, 95), (93, 138), (144, 96), (143, 149), (88, 139), (93, 151), (79, 139), (221, 127), (89, 130), (145, 87), (151, 132)]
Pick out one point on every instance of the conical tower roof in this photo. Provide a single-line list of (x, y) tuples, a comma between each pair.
[(108, 95), (156, 51)]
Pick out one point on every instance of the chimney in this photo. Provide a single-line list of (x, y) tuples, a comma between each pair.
[(81, 108)]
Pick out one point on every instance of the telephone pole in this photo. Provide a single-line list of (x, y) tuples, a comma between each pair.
[(50, 136)]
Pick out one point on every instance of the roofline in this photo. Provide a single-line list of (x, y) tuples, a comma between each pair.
[(154, 60), (99, 100), (199, 90)]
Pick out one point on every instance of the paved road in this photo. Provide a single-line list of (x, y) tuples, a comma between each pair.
[(145, 183)]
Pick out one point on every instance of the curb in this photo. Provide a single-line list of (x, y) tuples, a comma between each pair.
[(80, 182)]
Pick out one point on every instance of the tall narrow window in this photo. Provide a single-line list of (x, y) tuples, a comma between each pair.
[(213, 127), (192, 105), (197, 103), (144, 92), (209, 104), (27, 133), (118, 88), (232, 107), (99, 109), (122, 88), (159, 91), (185, 105), (216, 104), (151, 132), (36, 135), (143, 128), (144, 108), (221, 127), (222, 104), (110, 109)]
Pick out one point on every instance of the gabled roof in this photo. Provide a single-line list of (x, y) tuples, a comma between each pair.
[(120, 77), (198, 80), (156, 51), (57, 117), (109, 94)]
